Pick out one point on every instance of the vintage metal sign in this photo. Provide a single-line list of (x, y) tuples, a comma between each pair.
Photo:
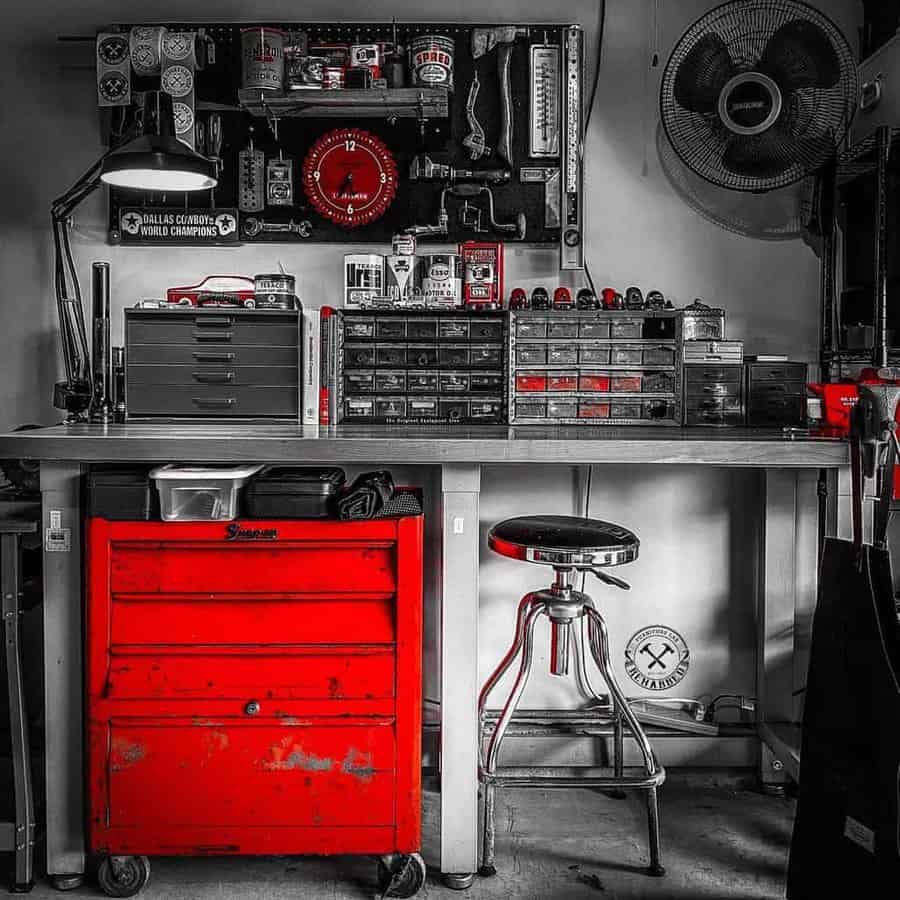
[(175, 225)]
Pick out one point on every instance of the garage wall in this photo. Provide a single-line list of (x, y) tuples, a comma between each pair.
[(698, 552)]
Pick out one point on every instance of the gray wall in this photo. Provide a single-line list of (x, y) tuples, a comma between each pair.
[(698, 545)]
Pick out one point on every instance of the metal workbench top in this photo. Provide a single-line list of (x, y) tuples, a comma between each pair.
[(286, 443)]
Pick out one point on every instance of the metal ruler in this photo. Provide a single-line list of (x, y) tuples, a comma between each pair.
[(571, 246), (544, 79)]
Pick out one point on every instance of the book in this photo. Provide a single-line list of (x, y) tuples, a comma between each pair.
[(310, 379)]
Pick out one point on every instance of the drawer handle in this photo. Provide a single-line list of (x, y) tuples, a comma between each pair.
[(213, 335), (252, 708), (200, 356), (214, 402), (712, 390), (214, 321), (215, 378)]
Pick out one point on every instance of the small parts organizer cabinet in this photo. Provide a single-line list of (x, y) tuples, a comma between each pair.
[(421, 367), (254, 688), (595, 368)]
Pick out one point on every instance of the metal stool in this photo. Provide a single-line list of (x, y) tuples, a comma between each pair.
[(569, 545), (17, 836)]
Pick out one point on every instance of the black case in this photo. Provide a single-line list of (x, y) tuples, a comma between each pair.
[(120, 493), (293, 492)]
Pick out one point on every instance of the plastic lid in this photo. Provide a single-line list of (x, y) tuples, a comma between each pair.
[(182, 473)]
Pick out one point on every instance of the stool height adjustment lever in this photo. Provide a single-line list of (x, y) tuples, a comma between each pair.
[(611, 580)]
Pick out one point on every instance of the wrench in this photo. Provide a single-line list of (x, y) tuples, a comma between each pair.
[(253, 227)]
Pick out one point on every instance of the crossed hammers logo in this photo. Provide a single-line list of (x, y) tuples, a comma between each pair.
[(657, 659)]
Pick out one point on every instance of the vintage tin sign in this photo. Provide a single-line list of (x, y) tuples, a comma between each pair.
[(175, 225)]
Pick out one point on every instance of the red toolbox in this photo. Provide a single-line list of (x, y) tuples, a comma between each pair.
[(254, 687)]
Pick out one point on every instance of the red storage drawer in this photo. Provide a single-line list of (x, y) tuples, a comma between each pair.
[(259, 694)]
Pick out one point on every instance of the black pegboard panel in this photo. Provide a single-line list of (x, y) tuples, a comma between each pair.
[(415, 203)]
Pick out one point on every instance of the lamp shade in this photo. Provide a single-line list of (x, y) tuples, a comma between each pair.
[(156, 160)]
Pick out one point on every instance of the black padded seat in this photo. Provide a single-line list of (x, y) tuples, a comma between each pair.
[(564, 541)]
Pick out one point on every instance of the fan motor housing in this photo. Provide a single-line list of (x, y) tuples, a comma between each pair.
[(750, 103)]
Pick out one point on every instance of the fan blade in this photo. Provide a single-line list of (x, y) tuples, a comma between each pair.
[(801, 55), (769, 155), (703, 73)]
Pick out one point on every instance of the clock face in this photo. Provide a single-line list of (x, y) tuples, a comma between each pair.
[(350, 177)]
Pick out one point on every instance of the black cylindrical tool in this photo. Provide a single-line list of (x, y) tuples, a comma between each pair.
[(101, 364)]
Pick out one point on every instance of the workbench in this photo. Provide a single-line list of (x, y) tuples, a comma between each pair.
[(790, 517)]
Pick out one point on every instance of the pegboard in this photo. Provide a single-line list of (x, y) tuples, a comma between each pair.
[(415, 203)]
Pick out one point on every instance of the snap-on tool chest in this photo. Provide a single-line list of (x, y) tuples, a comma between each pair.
[(212, 363), (254, 687)]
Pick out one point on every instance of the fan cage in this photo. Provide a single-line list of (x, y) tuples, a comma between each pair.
[(821, 114)]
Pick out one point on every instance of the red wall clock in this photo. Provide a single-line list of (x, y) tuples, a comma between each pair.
[(350, 176)]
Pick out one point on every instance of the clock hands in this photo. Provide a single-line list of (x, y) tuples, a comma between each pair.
[(346, 185)]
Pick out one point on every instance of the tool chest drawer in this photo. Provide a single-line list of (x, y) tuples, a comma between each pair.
[(251, 567), (248, 327), (215, 374), (289, 776), (213, 400), (234, 673), (263, 676), (208, 354)]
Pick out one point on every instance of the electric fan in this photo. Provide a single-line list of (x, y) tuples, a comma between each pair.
[(783, 214), (758, 94)]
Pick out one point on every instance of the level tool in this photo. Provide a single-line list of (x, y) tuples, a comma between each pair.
[(572, 244)]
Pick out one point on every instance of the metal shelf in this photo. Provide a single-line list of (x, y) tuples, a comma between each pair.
[(862, 159), (386, 103)]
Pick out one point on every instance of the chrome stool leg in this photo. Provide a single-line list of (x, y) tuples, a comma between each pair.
[(524, 637), (507, 661), (600, 648)]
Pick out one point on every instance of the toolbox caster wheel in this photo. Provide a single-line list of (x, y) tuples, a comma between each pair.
[(67, 882), (123, 876), (402, 875)]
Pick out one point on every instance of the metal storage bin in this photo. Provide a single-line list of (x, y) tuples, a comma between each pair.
[(595, 367)]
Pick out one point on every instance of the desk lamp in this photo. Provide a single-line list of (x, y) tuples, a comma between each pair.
[(152, 161)]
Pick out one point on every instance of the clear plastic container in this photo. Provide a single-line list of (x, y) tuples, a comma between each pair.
[(200, 493)]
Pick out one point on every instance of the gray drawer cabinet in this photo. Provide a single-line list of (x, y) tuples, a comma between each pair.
[(212, 363)]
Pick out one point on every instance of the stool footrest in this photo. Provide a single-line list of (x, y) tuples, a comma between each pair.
[(570, 776)]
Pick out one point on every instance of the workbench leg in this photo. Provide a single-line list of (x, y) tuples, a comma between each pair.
[(23, 837), (460, 485), (63, 679), (788, 585)]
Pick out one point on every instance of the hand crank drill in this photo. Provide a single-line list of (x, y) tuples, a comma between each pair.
[(484, 40)]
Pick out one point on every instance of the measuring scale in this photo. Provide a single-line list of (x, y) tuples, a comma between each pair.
[(544, 105)]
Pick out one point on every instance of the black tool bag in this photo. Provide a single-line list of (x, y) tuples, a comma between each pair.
[(846, 840)]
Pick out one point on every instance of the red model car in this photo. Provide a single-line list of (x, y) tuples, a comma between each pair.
[(216, 290)]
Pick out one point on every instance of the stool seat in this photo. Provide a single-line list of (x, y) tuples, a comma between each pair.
[(564, 541)]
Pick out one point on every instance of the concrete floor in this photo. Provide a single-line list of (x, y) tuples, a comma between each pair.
[(719, 841)]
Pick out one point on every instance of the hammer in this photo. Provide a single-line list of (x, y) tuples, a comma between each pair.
[(484, 40)]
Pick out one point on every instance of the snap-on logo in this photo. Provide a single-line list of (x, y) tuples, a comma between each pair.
[(235, 532)]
